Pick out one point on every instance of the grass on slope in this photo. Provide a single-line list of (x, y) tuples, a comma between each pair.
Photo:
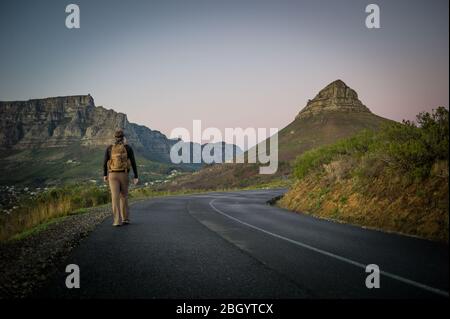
[(395, 179), (322, 129), (55, 203)]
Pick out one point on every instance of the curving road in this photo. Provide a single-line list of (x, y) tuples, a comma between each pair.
[(234, 245)]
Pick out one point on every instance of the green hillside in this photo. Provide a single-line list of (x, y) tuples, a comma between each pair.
[(395, 179), (310, 132)]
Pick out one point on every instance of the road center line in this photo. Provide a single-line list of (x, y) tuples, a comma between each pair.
[(326, 253)]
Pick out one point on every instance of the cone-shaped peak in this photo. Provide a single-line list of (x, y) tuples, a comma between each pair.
[(336, 96), (338, 83)]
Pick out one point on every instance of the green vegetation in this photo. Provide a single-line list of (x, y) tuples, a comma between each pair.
[(68, 165), (395, 179), (407, 148), (36, 229), (55, 203), (149, 192), (304, 134)]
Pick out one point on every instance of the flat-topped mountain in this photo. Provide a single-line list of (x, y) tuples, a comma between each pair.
[(63, 139), (67, 120)]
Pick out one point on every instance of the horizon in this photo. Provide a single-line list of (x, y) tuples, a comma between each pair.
[(230, 64)]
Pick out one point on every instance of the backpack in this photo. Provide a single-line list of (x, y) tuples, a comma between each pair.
[(119, 161)]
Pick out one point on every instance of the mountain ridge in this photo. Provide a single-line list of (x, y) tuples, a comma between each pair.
[(66, 120)]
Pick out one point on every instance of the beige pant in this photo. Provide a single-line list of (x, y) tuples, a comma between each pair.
[(118, 183)]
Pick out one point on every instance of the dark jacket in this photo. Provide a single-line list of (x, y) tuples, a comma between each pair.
[(130, 155)]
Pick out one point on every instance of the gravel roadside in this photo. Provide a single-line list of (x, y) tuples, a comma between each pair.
[(26, 263)]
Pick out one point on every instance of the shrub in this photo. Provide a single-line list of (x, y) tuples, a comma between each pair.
[(317, 158), (414, 148), (408, 148)]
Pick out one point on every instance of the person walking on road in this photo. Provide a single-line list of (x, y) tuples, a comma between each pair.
[(119, 158)]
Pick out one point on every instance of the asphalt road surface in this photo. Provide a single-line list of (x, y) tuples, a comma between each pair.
[(235, 245)]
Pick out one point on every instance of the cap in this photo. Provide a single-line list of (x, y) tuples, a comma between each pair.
[(119, 133)]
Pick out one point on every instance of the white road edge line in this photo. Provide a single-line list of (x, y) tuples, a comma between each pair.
[(326, 253)]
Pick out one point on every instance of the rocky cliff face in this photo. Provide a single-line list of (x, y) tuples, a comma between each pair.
[(62, 121), (336, 96)]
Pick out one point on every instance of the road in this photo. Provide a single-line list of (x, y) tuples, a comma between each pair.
[(234, 245)]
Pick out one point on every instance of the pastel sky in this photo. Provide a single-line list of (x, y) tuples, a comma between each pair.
[(230, 63)]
